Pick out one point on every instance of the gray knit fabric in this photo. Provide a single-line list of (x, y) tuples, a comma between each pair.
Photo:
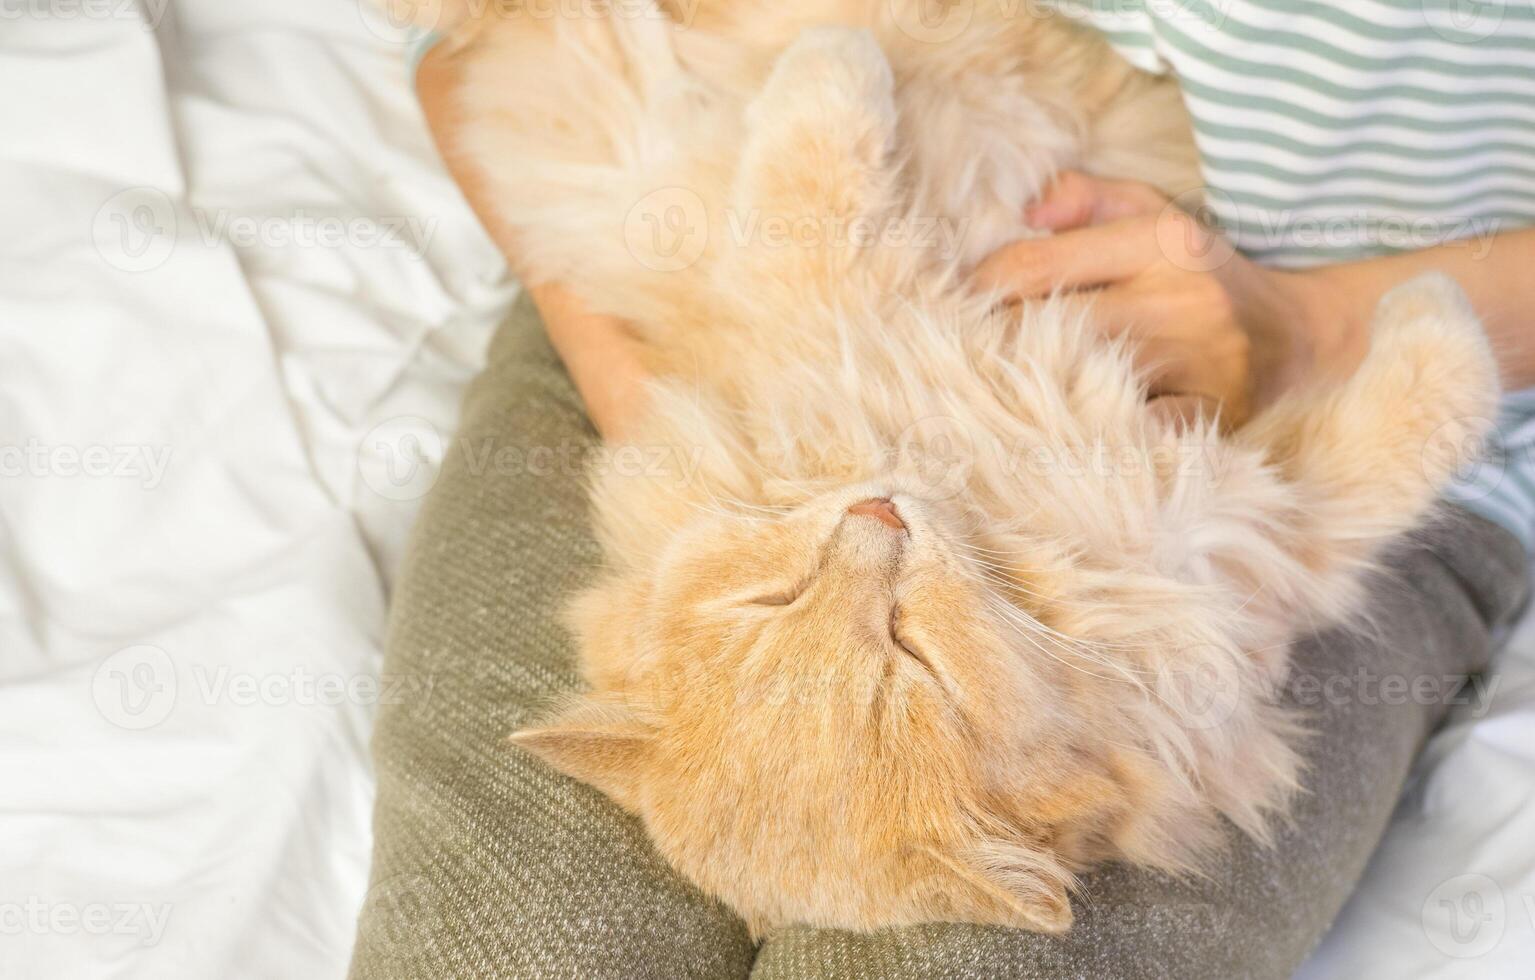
[(488, 864)]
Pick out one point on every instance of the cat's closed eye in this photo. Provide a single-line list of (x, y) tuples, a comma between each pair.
[(903, 639), (781, 597)]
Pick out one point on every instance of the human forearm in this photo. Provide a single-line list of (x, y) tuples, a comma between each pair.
[(603, 358), (599, 352), (1497, 274)]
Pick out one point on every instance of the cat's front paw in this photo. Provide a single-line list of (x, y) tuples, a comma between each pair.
[(1431, 297), (819, 138), (1430, 356), (834, 72)]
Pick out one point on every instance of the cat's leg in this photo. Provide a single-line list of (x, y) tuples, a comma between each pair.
[(1278, 535), (996, 96), (587, 136), (1377, 449), (1365, 460), (985, 129), (815, 176)]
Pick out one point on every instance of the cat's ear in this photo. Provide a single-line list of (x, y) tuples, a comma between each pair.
[(1009, 884), (598, 741)]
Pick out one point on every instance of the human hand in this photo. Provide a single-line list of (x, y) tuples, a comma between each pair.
[(1214, 331)]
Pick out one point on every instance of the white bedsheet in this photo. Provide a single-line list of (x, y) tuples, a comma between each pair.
[(238, 298), (211, 293)]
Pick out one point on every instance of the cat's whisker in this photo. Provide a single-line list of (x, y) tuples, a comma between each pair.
[(1028, 630), (971, 546), (1248, 601), (728, 515), (1104, 645), (1088, 650), (775, 511), (1005, 584), (723, 507), (1118, 667)]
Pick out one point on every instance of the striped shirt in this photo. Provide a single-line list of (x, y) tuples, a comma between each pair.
[(1333, 131)]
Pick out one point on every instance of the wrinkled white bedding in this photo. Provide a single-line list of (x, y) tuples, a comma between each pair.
[(238, 301), (228, 255)]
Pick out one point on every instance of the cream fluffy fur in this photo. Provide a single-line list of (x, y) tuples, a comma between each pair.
[(1070, 652)]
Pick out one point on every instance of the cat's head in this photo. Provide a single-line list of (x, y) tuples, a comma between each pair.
[(830, 715)]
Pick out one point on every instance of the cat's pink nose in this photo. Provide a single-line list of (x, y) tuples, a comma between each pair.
[(881, 510)]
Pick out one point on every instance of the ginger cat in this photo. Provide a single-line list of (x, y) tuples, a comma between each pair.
[(931, 614)]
